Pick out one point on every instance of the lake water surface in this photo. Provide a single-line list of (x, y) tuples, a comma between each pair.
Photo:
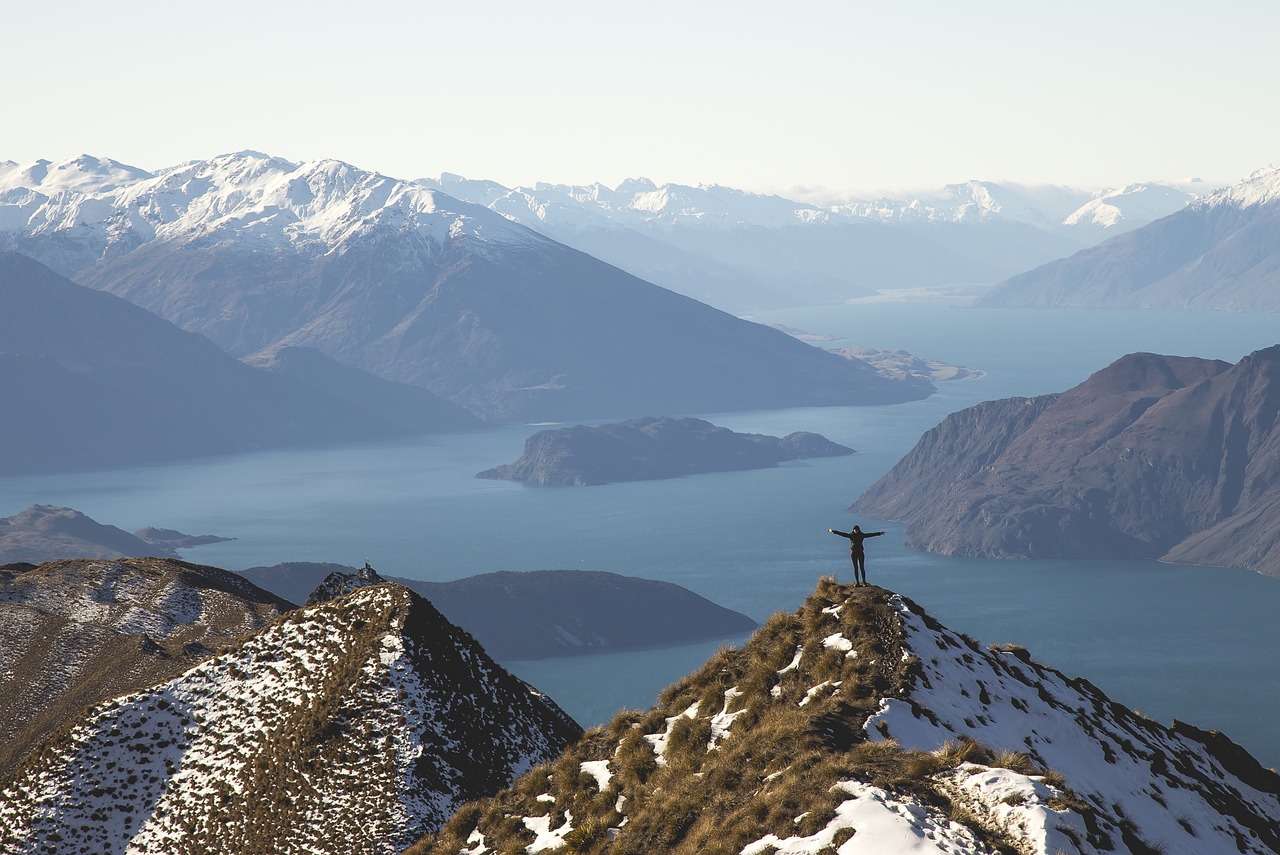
[(1196, 643)]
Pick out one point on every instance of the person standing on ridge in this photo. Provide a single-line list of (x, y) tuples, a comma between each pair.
[(856, 554)]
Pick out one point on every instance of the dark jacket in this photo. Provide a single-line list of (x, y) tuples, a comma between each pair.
[(856, 537)]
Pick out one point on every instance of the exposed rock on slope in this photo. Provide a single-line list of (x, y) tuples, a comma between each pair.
[(651, 448), (419, 287), (1217, 253), (538, 614), (47, 533), (74, 633), (1154, 456), (92, 381), (860, 723), (351, 726)]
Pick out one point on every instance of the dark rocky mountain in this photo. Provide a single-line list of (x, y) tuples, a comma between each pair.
[(860, 724), (1217, 253), (355, 725), (47, 533), (1152, 457), (74, 633), (92, 381), (537, 614), (651, 448), (418, 287)]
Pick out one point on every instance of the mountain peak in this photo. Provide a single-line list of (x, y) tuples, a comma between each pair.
[(353, 725), (1260, 188), (860, 716)]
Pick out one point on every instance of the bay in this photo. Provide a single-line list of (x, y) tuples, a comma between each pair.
[(1196, 643)]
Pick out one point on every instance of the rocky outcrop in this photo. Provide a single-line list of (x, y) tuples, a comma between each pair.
[(651, 448), (1152, 457)]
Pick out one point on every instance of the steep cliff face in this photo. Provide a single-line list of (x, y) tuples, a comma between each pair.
[(1152, 457), (353, 725), (861, 725)]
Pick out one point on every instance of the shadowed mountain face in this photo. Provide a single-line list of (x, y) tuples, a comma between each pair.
[(859, 724), (93, 381), (1152, 457), (650, 448), (538, 614), (418, 287)]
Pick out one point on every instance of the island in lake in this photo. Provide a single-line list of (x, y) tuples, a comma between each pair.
[(651, 448)]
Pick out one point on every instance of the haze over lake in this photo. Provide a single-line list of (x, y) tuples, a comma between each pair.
[(1192, 643)]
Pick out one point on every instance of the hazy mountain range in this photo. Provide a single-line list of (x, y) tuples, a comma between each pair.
[(1152, 457), (1220, 252), (412, 285), (745, 251)]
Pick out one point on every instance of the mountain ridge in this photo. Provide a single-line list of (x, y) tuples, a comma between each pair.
[(354, 724), (1152, 457), (415, 286), (1218, 253), (861, 724)]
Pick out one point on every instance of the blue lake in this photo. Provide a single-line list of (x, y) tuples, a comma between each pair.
[(1196, 643)]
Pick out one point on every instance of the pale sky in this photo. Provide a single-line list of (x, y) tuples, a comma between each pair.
[(832, 96)]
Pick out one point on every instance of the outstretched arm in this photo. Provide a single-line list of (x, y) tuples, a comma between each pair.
[(873, 533), (841, 533)]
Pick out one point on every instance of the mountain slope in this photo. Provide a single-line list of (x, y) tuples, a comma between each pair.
[(48, 533), (77, 632), (415, 286), (93, 381), (860, 725), (354, 725), (1217, 253), (409, 408), (1154, 456)]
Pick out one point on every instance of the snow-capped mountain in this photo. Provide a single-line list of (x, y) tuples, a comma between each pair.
[(1219, 252), (416, 286), (351, 726), (742, 251), (861, 725)]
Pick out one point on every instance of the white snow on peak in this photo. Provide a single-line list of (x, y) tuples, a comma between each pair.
[(1260, 188), (1143, 203), (1133, 772), (244, 195), (83, 174)]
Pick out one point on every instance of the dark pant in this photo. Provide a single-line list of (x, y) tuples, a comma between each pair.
[(859, 559)]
